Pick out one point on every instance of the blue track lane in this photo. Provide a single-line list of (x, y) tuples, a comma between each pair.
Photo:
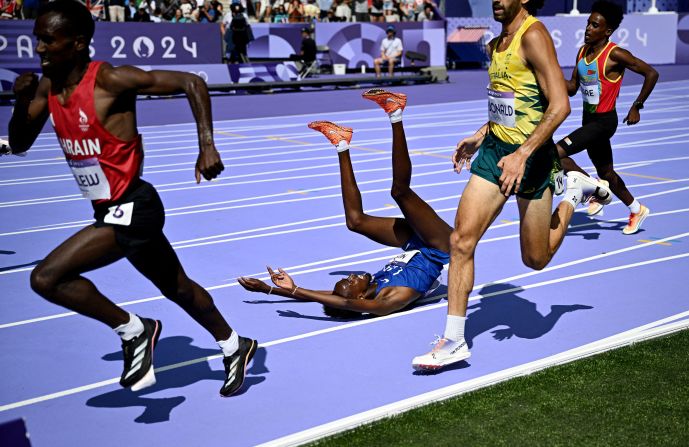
[(279, 204)]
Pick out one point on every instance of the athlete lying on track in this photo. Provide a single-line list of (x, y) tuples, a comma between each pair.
[(422, 234)]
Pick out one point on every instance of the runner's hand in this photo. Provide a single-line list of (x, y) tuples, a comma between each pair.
[(465, 150), (512, 166), (633, 117), (281, 279), (25, 86), (208, 164), (253, 285)]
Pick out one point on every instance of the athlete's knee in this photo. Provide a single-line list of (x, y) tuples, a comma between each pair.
[(607, 174), (462, 244), (400, 191), (44, 281), (535, 261), (187, 294)]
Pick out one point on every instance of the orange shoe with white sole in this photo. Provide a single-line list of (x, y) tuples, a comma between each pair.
[(635, 220), (388, 101), (332, 131)]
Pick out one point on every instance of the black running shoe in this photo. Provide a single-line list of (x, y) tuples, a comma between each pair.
[(138, 357), (235, 366)]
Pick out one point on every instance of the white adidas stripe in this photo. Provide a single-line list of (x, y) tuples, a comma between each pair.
[(233, 370), (139, 354)]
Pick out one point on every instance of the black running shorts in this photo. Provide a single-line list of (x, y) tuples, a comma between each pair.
[(137, 217), (594, 136)]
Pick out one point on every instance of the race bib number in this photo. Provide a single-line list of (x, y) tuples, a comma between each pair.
[(120, 214), (590, 93), (404, 258), (501, 108), (90, 178)]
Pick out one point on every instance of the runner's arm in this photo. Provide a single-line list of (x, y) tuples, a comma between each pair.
[(628, 60), (256, 285), (539, 52), (119, 80), (30, 111), (389, 300)]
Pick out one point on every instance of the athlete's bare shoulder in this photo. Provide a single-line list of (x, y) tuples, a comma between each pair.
[(537, 34), (620, 55), (108, 76), (537, 43)]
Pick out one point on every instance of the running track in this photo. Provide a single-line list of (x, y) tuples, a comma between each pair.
[(279, 204)]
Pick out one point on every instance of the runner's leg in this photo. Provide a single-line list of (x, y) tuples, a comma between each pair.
[(541, 230), (390, 231), (568, 163), (601, 156), (158, 262), (426, 223), (480, 204), (58, 277)]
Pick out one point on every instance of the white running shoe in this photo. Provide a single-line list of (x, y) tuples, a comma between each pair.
[(445, 352), (594, 206), (589, 187), (5, 147), (559, 181)]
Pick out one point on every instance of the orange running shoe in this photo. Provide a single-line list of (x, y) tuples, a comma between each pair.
[(388, 101), (635, 220), (332, 131)]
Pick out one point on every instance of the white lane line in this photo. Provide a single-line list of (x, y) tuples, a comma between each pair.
[(103, 383), (626, 165), (627, 91), (188, 166), (191, 209), (271, 147), (189, 186), (78, 224), (323, 265), (186, 244), (411, 116), (635, 335)]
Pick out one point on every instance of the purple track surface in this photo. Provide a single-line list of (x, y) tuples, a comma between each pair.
[(279, 204)]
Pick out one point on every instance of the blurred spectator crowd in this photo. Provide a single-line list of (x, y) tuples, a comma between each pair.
[(272, 11)]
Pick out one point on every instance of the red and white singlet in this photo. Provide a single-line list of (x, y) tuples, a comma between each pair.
[(103, 165), (598, 91)]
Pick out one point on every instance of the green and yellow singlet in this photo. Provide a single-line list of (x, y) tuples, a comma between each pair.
[(515, 101)]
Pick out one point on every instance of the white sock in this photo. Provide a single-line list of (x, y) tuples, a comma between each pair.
[(342, 146), (573, 196), (230, 345), (130, 330), (454, 327), (635, 207), (396, 116)]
